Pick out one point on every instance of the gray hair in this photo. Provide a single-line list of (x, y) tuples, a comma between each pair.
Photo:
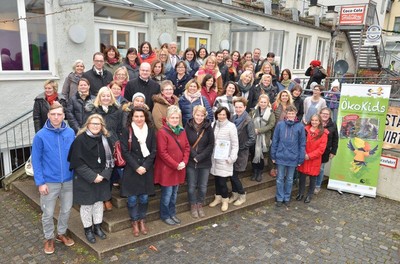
[(76, 63)]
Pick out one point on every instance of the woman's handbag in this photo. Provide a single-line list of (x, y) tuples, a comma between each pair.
[(118, 158), (29, 167)]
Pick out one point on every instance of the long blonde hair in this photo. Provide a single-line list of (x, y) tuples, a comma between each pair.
[(101, 91), (104, 130)]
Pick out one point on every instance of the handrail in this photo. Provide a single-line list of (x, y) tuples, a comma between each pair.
[(12, 121)]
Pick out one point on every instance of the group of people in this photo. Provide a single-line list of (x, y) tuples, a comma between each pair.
[(175, 119)]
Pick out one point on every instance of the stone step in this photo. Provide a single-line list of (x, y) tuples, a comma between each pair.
[(118, 219)]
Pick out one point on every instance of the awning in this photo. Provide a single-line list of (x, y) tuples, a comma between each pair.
[(163, 9)]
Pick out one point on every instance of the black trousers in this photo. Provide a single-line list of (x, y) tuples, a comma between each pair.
[(221, 187), (302, 184)]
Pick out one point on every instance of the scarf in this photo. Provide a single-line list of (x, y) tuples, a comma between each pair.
[(244, 88), (83, 95), (141, 134), (105, 108), (260, 120), (192, 97), (171, 100), (238, 120), (133, 65), (107, 149), (112, 60), (177, 130), (236, 64), (144, 56), (207, 71), (286, 83), (51, 98)]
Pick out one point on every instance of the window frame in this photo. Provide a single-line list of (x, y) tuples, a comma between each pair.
[(299, 62)]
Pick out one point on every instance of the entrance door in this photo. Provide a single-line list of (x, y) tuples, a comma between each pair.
[(193, 40)]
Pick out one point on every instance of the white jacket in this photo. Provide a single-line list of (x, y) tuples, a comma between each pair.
[(225, 131)]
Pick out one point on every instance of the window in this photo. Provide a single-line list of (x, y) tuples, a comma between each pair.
[(23, 43), (119, 13), (396, 26), (300, 52), (321, 46)]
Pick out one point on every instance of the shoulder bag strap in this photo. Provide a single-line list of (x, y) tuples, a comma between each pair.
[(198, 139), (130, 139), (179, 145)]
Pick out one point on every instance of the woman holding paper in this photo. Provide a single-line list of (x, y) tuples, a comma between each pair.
[(224, 155)]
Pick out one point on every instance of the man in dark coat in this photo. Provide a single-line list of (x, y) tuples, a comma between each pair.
[(257, 60), (97, 75), (222, 67), (143, 84)]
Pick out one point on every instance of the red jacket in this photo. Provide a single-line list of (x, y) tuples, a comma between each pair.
[(150, 59), (210, 96), (168, 157), (314, 149)]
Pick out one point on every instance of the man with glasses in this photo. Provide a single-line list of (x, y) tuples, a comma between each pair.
[(50, 150), (98, 76)]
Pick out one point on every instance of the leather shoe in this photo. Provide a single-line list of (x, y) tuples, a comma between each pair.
[(49, 246), (65, 240), (169, 221), (99, 232), (299, 197), (278, 204), (308, 199), (176, 219), (90, 235)]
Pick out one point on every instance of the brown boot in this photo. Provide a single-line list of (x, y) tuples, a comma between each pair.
[(200, 210), (135, 228), (193, 211), (108, 205), (143, 227)]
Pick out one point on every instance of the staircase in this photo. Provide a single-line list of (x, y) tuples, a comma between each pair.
[(117, 223)]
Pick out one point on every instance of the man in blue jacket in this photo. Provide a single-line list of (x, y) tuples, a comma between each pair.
[(50, 150)]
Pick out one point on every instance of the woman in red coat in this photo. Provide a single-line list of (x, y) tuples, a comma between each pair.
[(316, 139), (172, 156)]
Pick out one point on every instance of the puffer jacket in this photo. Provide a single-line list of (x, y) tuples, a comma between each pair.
[(225, 130), (333, 140), (288, 143), (41, 107), (187, 108), (315, 147), (70, 86), (76, 113)]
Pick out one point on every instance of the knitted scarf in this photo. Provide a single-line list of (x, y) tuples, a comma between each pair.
[(51, 98), (260, 120), (286, 83), (191, 97), (141, 134), (244, 88), (112, 60), (177, 130), (107, 149)]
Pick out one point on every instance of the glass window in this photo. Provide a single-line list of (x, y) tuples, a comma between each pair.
[(194, 24), (119, 13), (10, 40), (396, 26), (300, 52), (321, 46)]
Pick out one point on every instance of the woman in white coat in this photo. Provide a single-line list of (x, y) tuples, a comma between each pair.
[(224, 155)]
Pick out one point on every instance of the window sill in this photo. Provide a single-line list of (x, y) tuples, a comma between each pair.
[(23, 75)]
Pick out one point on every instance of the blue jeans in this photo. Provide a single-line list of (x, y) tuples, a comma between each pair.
[(168, 201), (237, 185), (197, 178), (138, 211), (320, 176), (284, 182)]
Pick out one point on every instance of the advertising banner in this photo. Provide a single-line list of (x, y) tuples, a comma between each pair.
[(361, 124), (352, 15), (391, 139)]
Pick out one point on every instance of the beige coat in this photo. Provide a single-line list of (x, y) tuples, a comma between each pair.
[(160, 109)]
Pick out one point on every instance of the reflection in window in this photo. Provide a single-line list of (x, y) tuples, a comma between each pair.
[(10, 40)]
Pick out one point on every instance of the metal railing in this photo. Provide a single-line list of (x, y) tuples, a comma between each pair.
[(15, 143)]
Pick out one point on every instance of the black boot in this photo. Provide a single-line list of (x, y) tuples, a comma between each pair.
[(259, 176), (99, 232), (254, 175), (90, 235)]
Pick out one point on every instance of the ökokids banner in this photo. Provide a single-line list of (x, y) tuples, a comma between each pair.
[(361, 124)]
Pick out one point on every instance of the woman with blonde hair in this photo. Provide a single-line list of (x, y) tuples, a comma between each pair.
[(163, 56), (283, 100), (264, 87), (121, 76), (267, 69), (91, 159), (43, 102), (70, 86), (210, 66)]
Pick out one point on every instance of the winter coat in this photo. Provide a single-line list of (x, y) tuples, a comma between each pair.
[(132, 72), (315, 147), (333, 140), (192, 67), (126, 108), (247, 139), (70, 86), (149, 59), (178, 83), (187, 108), (132, 183), (288, 143), (113, 120), (168, 157), (298, 102), (83, 157), (47, 142), (209, 95), (316, 75), (112, 67), (97, 81), (255, 93), (266, 126), (76, 112), (41, 107), (148, 88), (201, 73), (203, 150), (225, 130), (160, 109)]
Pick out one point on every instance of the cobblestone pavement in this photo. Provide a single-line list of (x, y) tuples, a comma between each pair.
[(333, 228)]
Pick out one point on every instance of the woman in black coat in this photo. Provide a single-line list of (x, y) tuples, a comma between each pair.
[(201, 139), (91, 158), (43, 101), (138, 144), (76, 113), (331, 145)]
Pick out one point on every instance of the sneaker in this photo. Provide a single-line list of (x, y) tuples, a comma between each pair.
[(287, 203), (49, 246), (278, 204), (317, 190), (65, 240)]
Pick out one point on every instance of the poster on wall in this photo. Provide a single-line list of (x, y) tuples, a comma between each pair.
[(361, 124), (391, 139)]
